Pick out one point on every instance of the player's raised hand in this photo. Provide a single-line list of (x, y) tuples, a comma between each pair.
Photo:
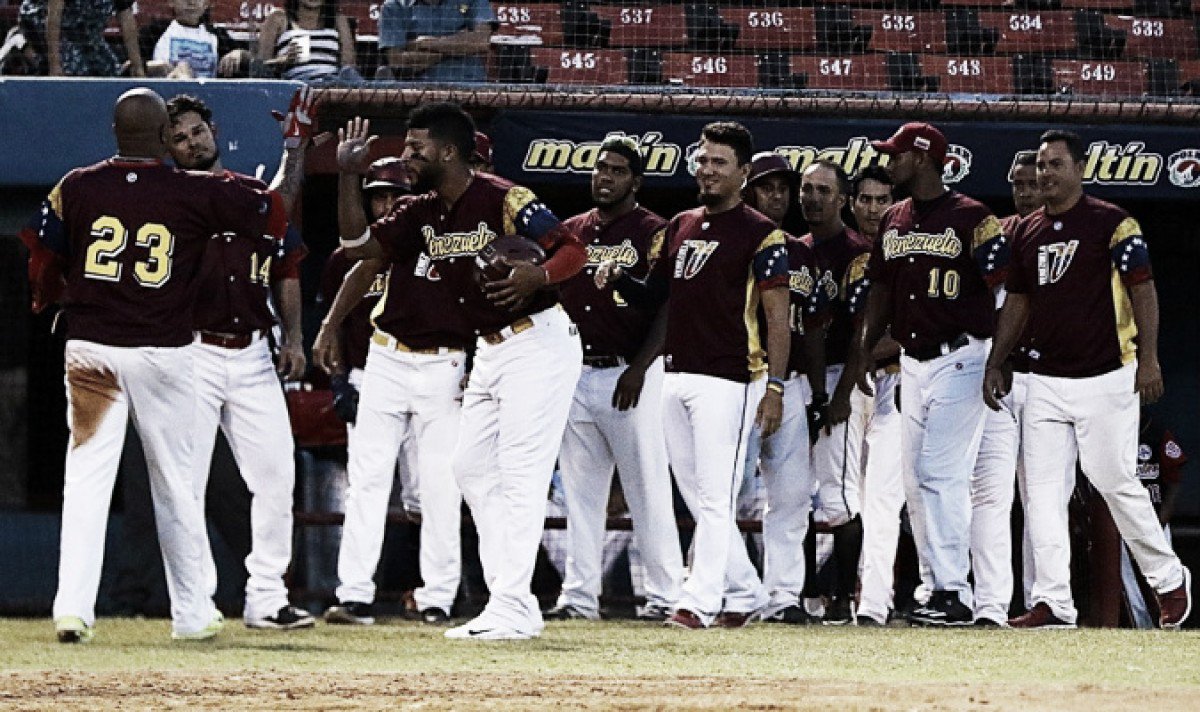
[(354, 146), (1148, 382), (607, 273), (770, 413), (327, 351), (300, 121), (994, 387)]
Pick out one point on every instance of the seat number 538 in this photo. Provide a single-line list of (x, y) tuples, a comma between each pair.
[(110, 237)]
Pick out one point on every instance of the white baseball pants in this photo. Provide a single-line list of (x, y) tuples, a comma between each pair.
[(837, 457), (239, 391), (153, 386), (405, 397), (513, 417), (708, 421), (1138, 610), (597, 437), (943, 416), (991, 511), (883, 497), (785, 460), (1096, 420)]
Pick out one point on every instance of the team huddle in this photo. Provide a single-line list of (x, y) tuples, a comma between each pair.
[(931, 359)]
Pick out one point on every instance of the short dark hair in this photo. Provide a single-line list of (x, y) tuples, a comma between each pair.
[(446, 121), (876, 173), (181, 104), (627, 147), (1074, 143), (732, 134), (843, 180), (1025, 158)]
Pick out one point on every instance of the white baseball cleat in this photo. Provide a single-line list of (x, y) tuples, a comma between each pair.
[(478, 631), (208, 632)]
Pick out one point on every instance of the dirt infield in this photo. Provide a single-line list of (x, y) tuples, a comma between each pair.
[(345, 691)]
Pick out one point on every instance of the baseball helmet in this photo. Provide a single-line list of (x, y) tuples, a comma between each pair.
[(483, 148), (389, 173), (494, 261), (769, 163)]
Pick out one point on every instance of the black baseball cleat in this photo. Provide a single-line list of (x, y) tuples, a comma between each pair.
[(350, 613), (653, 612), (565, 612), (838, 612), (286, 618), (792, 615), (867, 622), (434, 616), (985, 622), (943, 610)]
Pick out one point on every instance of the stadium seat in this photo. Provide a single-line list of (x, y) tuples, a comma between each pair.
[(1153, 37), (773, 28), (364, 18), (775, 72), (645, 65), (529, 24), (861, 73), (839, 33), (1033, 74), (706, 31), (1095, 39), (904, 31), (709, 70), (145, 9), (574, 66), (965, 35), (905, 73), (971, 75), (1099, 78), (644, 26), (234, 14), (1188, 74), (1030, 31)]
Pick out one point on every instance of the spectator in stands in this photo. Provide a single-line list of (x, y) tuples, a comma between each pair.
[(435, 40), (189, 46), (308, 40), (68, 36)]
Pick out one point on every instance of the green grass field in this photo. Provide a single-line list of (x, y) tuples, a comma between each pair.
[(133, 663)]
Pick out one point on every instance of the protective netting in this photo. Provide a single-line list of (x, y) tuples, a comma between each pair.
[(1108, 49)]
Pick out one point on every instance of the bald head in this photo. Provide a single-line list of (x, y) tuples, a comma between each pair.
[(139, 122)]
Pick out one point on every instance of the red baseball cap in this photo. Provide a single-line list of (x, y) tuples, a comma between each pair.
[(483, 148), (768, 163), (915, 136)]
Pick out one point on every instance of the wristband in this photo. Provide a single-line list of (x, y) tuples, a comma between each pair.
[(775, 387), (775, 380), (357, 242)]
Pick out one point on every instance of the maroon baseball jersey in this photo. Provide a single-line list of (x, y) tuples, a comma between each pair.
[(355, 335), (1077, 268), (806, 308), (938, 257), (450, 238), (716, 266), (608, 325), (1160, 459), (1019, 358), (234, 292), (834, 257), (133, 234)]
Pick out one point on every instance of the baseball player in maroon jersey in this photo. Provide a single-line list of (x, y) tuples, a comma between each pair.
[(409, 407), (929, 274), (838, 450), (130, 232), (616, 416), (528, 354), (784, 458), (723, 261), (1081, 280), (237, 388), (884, 488)]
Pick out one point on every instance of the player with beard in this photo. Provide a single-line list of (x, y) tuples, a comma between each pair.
[(616, 414)]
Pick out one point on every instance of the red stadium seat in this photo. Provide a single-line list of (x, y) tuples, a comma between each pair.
[(645, 26), (904, 31), (582, 66), (1154, 37), (709, 70), (1031, 30), (365, 16), (773, 28), (970, 75), (858, 73), (147, 9), (242, 14), (1099, 78), (534, 22)]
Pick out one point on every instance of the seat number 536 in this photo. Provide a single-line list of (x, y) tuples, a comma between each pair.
[(110, 237)]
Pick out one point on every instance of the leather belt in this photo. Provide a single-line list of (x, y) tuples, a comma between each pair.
[(604, 361), (499, 337), (390, 342), (227, 341), (938, 350)]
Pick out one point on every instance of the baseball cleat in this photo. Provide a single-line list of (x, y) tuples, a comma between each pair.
[(435, 616), (653, 612), (735, 619), (838, 612), (350, 614), (567, 612), (792, 615), (985, 622), (868, 622), (1176, 605), (685, 619), (72, 629), (208, 632), (286, 618), (474, 631), (943, 610), (1040, 617)]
